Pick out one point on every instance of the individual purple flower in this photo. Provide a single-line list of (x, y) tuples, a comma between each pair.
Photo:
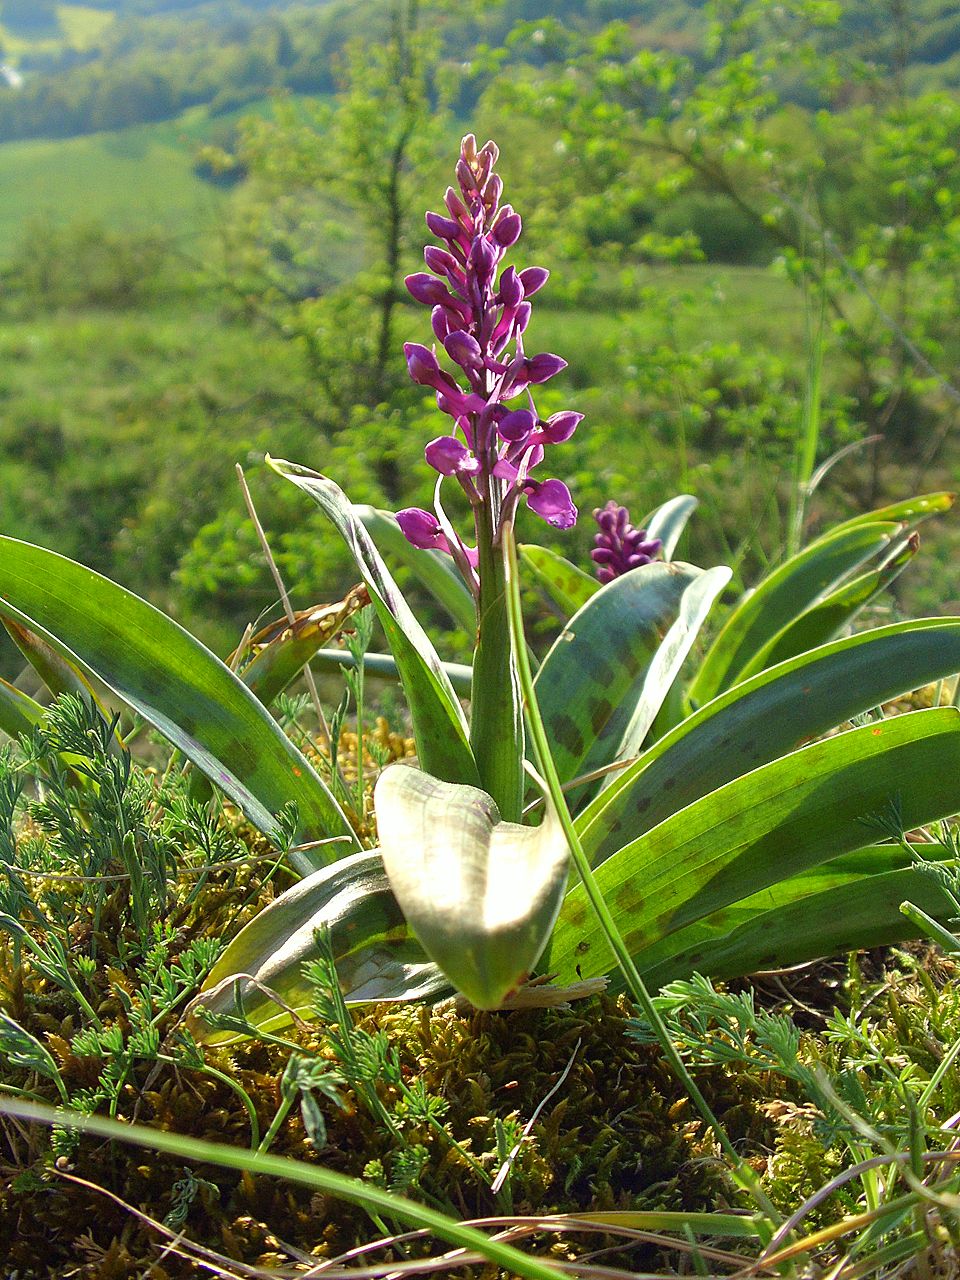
[(479, 318), (619, 547)]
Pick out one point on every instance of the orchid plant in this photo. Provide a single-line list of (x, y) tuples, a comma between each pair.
[(703, 801)]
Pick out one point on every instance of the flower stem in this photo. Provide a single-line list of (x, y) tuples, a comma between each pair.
[(742, 1172), (496, 717)]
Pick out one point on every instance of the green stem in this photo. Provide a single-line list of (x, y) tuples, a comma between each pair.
[(741, 1170), (496, 719)]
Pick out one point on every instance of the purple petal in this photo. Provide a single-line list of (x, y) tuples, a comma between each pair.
[(561, 426), (517, 425), (532, 279), (451, 457), (543, 367), (552, 502), (503, 469)]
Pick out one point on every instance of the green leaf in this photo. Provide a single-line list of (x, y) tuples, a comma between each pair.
[(908, 511), (480, 894), (668, 521), (606, 676), (377, 956), (567, 586), (846, 904), (766, 716), (827, 619), (439, 725), (804, 580), (435, 570), (767, 826), (282, 650), (18, 712), (176, 684)]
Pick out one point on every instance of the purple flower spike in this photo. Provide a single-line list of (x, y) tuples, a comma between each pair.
[(619, 547), (551, 500), (478, 321), (451, 457)]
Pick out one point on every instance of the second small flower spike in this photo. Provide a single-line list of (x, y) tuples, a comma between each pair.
[(618, 547)]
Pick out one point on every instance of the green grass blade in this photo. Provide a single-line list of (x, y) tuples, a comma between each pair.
[(175, 683), (774, 823), (566, 585), (435, 570), (377, 956), (440, 727), (606, 676), (668, 521), (848, 903), (763, 718), (315, 1176), (801, 582)]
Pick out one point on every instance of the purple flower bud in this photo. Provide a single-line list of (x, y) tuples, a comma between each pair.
[(492, 192), (483, 258), (524, 312), (511, 290), (551, 500), (441, 262), (465, 176), (458, 210), (507, 229), (468, 147), (451, 457), (619, 547), (442, 322), (422, 529), (445, 228), (517, 425), (427, 289), (421, 364), (464, 350), (543, 367), (532, 279), (489, 154)]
